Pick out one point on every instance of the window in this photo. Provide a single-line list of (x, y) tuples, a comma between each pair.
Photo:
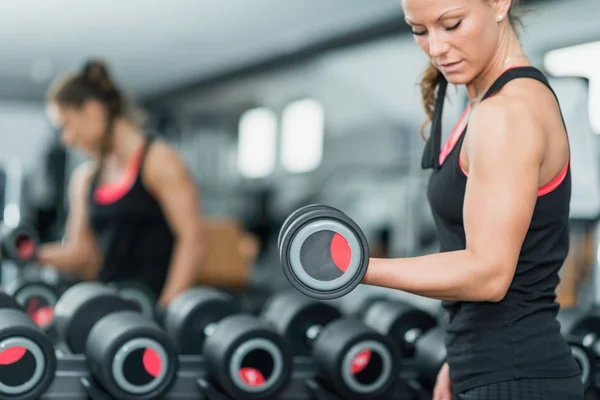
[(302, 136), (584, 61), (257, 134)]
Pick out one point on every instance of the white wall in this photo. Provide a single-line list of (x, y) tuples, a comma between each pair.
[(24, 131)]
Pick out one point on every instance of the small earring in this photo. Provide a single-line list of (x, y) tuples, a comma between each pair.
[(499, 17)]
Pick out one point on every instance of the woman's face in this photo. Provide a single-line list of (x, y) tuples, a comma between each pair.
[(460, 37), (81, 128)]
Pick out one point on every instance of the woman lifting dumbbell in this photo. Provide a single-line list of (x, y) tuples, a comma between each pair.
[(134, 208), (499, 192)]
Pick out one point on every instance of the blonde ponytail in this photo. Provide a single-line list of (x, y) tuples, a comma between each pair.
[(429, 82)]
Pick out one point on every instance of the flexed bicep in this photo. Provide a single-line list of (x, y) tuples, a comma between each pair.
[(505, 153)]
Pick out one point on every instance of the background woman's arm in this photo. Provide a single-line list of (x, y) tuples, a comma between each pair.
[(174, 187), (77, 253)]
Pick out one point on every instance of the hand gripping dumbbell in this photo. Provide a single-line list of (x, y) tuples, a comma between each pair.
[(27, 359), (582, 333), (324, 254), (129, 354), (416, 333), (245, 356), (18, 243), (353, 360)]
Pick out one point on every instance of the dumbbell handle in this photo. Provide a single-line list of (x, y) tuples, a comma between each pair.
[(312, 333), (592, 341), (210, 329), (412, 335)]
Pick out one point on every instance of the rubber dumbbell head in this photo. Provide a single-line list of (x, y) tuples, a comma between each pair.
[(576, 323), (27, 358), (585, 358), (8, 302), (430, 355), (298, 319), (355, 360), (81, 307), (139, 295), (367, 302), (191, 316), (18, 243), (400, 321), (38, 299), (295, 215), (248, 358), (131, 356), (323, 253)]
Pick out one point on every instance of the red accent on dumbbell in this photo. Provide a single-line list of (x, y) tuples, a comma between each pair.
[(43, 316), (32, 305), (25, 247), (252, 376), (361, 361), (152, 362), (12, 355), (341, 254)]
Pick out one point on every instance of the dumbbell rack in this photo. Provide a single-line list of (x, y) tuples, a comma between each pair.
[(73, 380)]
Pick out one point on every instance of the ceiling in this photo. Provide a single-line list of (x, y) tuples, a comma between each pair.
[(154, 45)]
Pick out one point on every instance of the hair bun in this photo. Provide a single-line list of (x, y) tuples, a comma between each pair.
[(96, 72)]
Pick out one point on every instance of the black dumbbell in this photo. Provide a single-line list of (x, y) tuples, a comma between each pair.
[(37, 297), (366, 303), (585, 358), (27, 359), (18, 243), (353, 360), (582, 332), (415, 331), (128, 353), (323, 252), (245, 356), (138, 294)]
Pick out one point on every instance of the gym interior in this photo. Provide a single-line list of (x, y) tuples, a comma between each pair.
[(271, 106)]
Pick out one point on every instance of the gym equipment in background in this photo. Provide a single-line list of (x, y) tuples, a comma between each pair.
[(353, 360)]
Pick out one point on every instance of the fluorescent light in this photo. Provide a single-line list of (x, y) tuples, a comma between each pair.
[(257, 137), (302, 136), (582, 60)]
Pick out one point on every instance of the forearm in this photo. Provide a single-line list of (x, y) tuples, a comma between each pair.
[(188, 256), (64, 257), (457, 275)]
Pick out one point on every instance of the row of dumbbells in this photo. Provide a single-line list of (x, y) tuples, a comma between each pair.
[(18, 243), (208, 347), (296, 348), (417, 340)]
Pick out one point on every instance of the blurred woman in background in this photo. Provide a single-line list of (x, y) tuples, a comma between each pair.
[(134, 209)]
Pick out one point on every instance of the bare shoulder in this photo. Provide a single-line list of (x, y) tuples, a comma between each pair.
[(507, 122), (164, 162)]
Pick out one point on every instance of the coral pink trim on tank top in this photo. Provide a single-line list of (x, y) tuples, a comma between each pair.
[(459, 129), (108, 193), (553, 184), (548, 187), (454, 136)]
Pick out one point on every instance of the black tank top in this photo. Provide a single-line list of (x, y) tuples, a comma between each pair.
[(135, 238), (518, 337)]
